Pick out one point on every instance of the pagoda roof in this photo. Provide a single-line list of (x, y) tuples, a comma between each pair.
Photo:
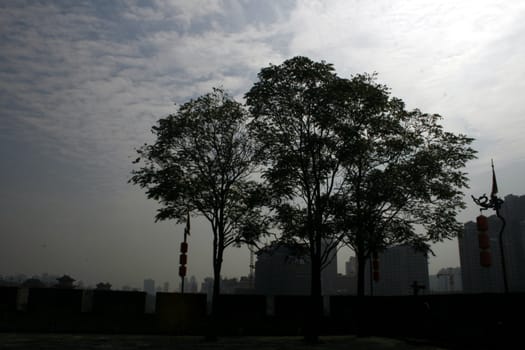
[(65, 278)]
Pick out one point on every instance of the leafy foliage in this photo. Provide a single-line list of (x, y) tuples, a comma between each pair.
[(403, 180), (201, 162), (299, 148), (346, 161)]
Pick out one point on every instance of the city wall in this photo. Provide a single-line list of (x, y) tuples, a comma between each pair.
[(457, 317)]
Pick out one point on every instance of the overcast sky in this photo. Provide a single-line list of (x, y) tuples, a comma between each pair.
[(82, 82)]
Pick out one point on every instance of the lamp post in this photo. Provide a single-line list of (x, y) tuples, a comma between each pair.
[(495, 203), (183, 260)]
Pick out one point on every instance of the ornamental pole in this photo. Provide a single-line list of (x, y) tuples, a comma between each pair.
[(495, 203), (183, 257)]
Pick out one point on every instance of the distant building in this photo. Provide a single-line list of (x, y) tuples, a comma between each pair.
[(347, 283), (65, 282), (207, 286), (244, 286), (399, 268), (479, 279), (193, 287), (33, 283), (103, 286), (351, 266), (281, 269), (190, 285), (447, 280), (166, 287), (149, 286), (47, 279), (228, 286)]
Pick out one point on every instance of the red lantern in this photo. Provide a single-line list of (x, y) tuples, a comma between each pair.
[(482, 223), (483, 240), (184, 247), (182, 271), (485, 258), (183, 260)]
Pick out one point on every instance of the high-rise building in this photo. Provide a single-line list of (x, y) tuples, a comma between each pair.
[(347, 283), (401, 269), (351, 266), (193, 286), (281, 269), (207, 287), (447, 280), (149, 286), (480, 279)]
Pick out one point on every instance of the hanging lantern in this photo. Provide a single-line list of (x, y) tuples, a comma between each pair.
[(485, 257), (482, 223), (183, 260), (184, 247), (182, 271), (483, 240)]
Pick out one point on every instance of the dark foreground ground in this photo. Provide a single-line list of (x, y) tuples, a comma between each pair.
[(132, 342)]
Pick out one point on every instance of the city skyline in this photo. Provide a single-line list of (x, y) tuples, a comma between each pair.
[(82, 84), (398, 266), (342, 265)]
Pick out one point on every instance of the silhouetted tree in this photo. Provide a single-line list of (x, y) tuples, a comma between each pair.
[(294, 128), (345, 161), (403, 180), (201, 162)]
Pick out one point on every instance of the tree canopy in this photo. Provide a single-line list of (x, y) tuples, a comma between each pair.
[(404, 177), (201, 161), (343, 162), (297, 145), (346, 162)]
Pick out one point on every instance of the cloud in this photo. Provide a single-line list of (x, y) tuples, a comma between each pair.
[(458, 59), (186, 11), (87, 81), (87, 86)]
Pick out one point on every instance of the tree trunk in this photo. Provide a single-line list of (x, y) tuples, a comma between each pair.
[(361, 323), (316, 300), (361, 264), (214, 317), (216, 289)]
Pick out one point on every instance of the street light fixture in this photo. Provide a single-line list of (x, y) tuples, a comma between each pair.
[(495, 203)]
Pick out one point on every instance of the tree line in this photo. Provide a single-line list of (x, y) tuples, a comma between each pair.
[(323, 160)]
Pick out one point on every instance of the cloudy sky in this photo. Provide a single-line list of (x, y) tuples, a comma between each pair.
[(82, 82)]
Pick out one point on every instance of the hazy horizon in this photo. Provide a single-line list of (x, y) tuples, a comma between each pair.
[(82, 83)]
